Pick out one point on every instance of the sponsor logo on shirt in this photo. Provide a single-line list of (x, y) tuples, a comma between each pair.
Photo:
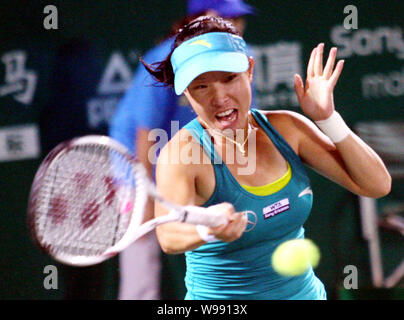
[(276, 208), (305, 191)]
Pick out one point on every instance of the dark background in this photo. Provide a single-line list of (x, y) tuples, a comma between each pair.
[(70, 62)]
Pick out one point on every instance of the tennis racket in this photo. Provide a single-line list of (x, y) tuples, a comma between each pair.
[(87, 202)]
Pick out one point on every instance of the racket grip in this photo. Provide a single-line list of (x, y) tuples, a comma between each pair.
[(204, 216)]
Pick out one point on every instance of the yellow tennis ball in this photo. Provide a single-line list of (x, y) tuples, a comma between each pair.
[(294, 257)]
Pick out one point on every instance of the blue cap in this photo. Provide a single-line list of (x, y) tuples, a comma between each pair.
[(213, 51), (224, 8)]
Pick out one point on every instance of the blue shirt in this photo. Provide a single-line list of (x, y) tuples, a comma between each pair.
[(242, 269)]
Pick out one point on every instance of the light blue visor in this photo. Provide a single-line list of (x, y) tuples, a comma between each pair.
[(214, 51)]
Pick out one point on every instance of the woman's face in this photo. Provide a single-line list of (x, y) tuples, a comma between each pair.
[(222, 99)]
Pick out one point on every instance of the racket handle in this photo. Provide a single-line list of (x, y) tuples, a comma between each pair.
[(204, 216)]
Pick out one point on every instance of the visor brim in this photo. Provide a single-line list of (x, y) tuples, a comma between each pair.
[(207, 62)]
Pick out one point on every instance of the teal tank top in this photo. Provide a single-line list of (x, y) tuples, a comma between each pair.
[(242, 269)]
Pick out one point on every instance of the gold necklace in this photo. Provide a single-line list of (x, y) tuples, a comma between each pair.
[(239, 145)]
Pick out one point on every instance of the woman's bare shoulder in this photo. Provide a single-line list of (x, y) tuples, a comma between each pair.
[(181, 152), (285, 120), (291, 125), (282, 115)]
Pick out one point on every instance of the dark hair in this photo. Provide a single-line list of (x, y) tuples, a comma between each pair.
[(162, 71)]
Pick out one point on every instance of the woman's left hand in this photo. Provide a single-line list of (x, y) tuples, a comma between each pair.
[(316, 95)]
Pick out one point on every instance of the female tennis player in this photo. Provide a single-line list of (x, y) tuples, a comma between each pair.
[(209, 65)]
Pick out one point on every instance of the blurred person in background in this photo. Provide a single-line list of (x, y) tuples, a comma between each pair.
[(144, 107)]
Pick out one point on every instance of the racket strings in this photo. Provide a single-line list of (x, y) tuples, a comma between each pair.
[(77, 206)]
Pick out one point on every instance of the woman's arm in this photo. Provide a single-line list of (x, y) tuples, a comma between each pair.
[(350, 163), (176, 182), (348, 160)]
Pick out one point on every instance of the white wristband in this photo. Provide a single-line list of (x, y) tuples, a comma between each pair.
[(203, 233), (334, 127)]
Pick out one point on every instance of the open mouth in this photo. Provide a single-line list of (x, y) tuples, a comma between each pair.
[(226, 118)]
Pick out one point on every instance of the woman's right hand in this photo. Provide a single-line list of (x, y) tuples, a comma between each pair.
[(235, 227)]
